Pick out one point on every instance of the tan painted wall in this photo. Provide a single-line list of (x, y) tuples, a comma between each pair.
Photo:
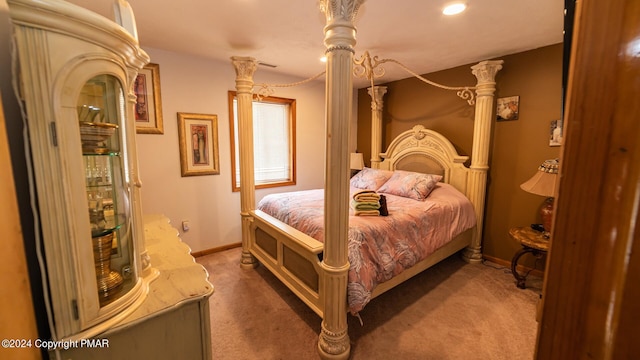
[(517, 148)]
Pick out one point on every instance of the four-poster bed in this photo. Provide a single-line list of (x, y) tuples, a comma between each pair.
[(318, 272)]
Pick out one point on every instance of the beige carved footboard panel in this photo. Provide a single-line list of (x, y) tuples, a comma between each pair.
[(291, 255), (294, 258)]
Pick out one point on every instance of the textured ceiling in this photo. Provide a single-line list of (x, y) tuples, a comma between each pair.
[(289, 33)]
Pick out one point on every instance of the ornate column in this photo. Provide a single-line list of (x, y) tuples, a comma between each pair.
[(245, 67), (485, 72), (376, 93), (340, 37)]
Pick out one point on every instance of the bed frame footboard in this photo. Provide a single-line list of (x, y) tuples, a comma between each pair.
[(294, 258), (290, 255)]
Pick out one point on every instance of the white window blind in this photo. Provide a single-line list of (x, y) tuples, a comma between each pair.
[(273, 158)]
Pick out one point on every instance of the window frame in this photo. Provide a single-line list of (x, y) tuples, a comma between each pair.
[(292, 140)]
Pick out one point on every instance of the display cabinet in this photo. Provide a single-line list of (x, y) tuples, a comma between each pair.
[(74, 71)]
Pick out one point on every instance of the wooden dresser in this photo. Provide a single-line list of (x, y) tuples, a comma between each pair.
[(173, 322)]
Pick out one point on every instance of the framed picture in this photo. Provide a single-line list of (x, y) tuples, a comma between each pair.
[(149, 103), (508, 108), (555, 134), (198, 136)]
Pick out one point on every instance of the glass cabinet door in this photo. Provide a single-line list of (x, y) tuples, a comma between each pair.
[(101, 112)]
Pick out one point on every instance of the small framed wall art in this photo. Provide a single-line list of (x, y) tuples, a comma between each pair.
[(555, 133), (198, 137), (508, 108), (148, 102)]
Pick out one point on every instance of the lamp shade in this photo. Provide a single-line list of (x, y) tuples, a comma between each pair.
[(543, 182), (356, 161)]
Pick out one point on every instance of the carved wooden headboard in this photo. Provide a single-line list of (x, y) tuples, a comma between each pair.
[(426, 151)]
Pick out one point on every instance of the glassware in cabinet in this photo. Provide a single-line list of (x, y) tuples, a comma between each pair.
[(100, 111)]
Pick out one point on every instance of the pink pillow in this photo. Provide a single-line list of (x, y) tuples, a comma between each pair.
[(370, 179), (410, 184)]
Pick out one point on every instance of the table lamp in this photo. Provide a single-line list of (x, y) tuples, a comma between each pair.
[(356, 163), (543, 183)]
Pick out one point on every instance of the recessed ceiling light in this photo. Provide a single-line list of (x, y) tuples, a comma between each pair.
[(455, 8)]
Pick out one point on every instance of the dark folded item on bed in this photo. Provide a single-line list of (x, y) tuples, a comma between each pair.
[(383, 206)]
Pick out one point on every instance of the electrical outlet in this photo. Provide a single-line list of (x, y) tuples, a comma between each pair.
[(185, 225)]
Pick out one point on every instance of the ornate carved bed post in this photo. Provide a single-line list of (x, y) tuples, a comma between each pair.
[(485, 72), (340, 38), (376, 92), (245, 67)]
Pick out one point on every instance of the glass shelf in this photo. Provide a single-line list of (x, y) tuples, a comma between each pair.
[(108, 228)]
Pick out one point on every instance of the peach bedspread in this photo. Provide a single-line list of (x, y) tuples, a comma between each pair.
[(380, 247)]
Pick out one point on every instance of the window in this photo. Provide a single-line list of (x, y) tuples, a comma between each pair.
[(274, 124)]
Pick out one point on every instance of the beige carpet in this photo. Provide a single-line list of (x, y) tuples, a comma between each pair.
[(452, 311)]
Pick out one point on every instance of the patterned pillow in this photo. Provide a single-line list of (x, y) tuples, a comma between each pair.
[(410, 184), (370, 179)]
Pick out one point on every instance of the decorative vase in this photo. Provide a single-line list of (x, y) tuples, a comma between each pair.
[(109, 281)]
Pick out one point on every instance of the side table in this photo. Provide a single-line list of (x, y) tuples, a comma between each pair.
[(533, 242)]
